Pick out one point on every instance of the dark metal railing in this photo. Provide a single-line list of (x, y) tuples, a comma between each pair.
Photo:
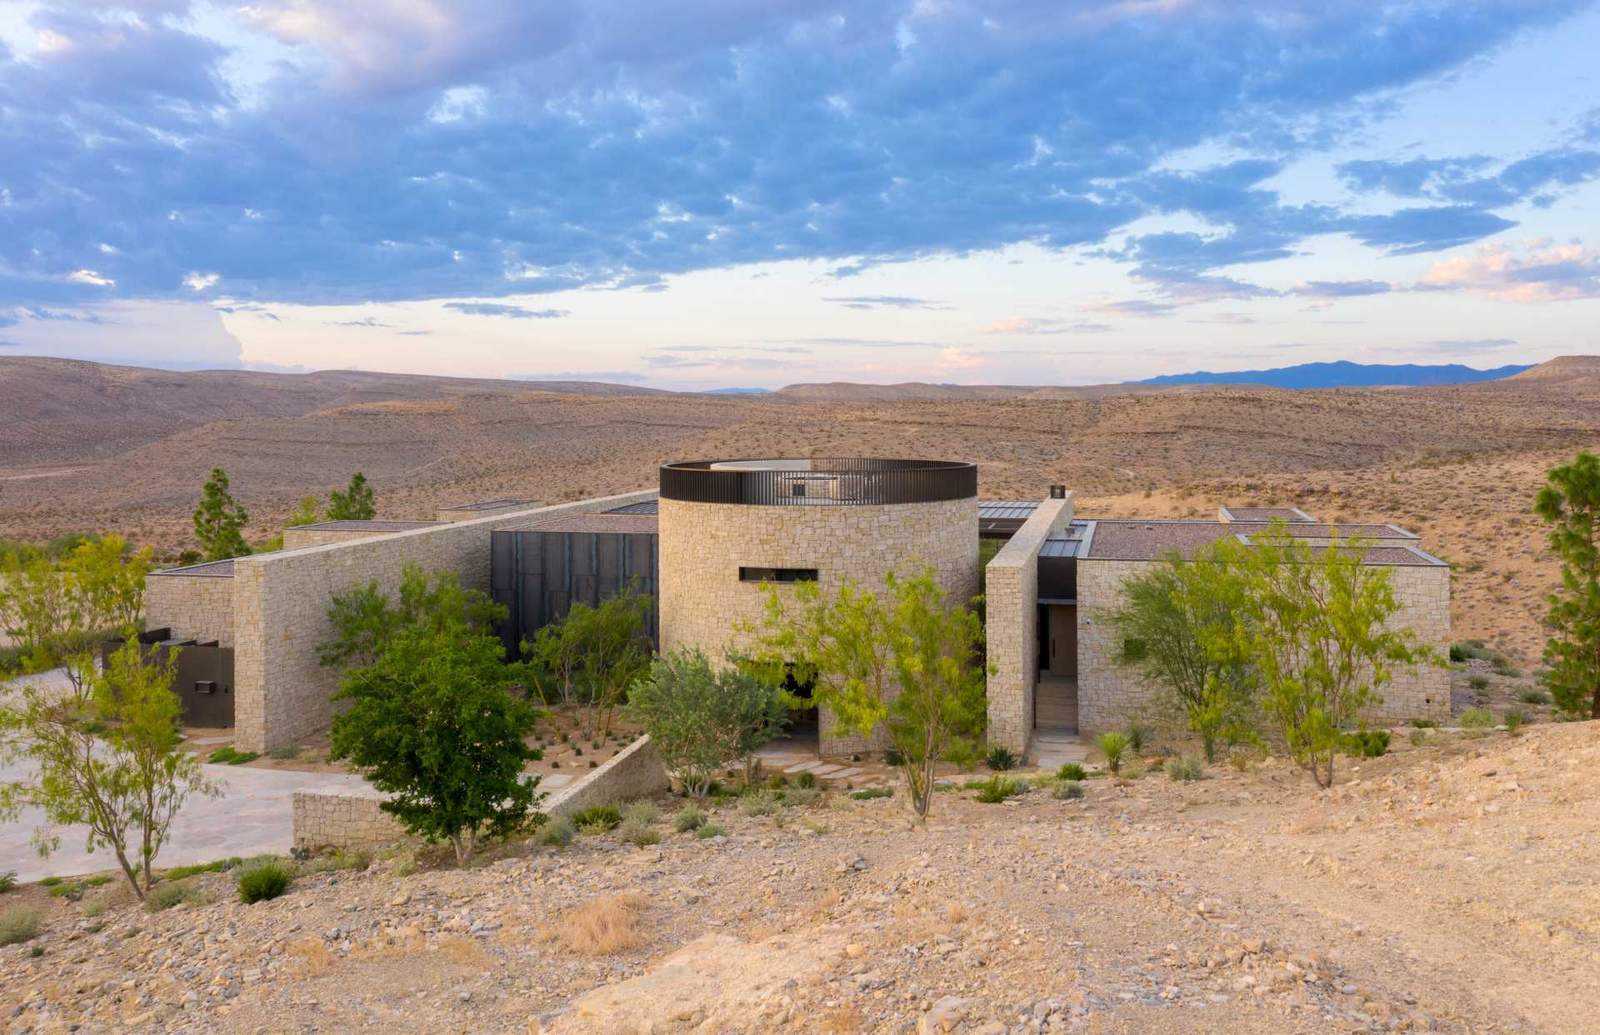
[(850, 481)]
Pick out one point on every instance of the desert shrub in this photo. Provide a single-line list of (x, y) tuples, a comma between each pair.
[(1476, 719), (228, 755), (1138, 737), (638, 834), (19, 924), (710, 830), (764, 803), (1071, 771), (869, 793), (645, 812), (1425, 724), (1478, 681), (690, 817), (1367, 743), (1468, 650), (893, 758), (1112, 745), (1534, 697), (1419, 738), (8, 880), (597, 819), (556, 832), (165, 895), (90, 910), (1186, 768), (1067, 790), (216, 866), (284, 752), (1001, 758), (600, 928), (1503, 667), (338, 859), (799, 797), (807, 780), (998, 788), (264, 880), (1514, 719), (777, 782)]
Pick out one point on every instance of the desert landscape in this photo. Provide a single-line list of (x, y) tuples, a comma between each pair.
[(87, 447)]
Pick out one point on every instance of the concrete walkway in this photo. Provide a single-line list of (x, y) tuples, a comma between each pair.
[(253, 816)]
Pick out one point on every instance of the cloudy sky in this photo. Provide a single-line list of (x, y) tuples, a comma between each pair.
[(756, 192)]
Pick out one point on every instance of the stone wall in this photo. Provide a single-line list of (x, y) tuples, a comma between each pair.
[(1011, 608), (703, 545), (281, 613), (352, 820), (1111, 695), (299, 537), (194, 607)]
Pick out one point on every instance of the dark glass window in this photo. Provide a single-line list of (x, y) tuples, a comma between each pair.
[(748, 574)]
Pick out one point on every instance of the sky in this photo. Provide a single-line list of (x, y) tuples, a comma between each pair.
[(720, 193)]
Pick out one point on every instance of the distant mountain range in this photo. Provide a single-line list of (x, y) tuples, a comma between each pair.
[(1342, 374)]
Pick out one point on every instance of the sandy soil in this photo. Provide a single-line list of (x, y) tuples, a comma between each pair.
[(1445, 887)]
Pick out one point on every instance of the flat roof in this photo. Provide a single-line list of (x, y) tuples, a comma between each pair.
[(1294, 515), (1129, 539), (499, 504), (605, 521), (367, 526), (207, 570), (642, 507)]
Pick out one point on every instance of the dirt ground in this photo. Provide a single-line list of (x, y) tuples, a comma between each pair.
[(1448, 886)]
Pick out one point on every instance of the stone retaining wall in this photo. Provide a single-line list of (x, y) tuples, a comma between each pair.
[(280, 605), (356, 821), (194, 607)]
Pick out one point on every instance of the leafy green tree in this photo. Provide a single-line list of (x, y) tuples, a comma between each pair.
[(1317, 630), (365, 619), (700, 718), (38, 609), (108, 578), (591, 656), (1182, 614), (219, 520), (355, 503), (435, 724), (108, 756), (305, 513), (910, 663), (1570, 504), (51, 608)]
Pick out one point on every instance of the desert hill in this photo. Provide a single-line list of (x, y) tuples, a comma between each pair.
[(1343, 374)]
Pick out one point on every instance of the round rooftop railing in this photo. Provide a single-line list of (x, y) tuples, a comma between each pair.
[(819, 482)]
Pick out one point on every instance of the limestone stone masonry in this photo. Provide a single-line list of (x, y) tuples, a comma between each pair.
[(194, 607), (1011, 605), (281, 602), (1111, 695), (703, 545)]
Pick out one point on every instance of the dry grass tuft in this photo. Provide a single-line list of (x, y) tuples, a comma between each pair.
[(602, 927), (843, 1020), (314, 957)]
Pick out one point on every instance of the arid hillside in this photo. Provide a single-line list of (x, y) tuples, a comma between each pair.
[(87, 447)]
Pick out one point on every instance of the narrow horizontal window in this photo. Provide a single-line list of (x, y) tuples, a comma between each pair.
[(747, 574)]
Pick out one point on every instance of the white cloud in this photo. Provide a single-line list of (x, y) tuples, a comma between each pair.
[(200, 281), (1542, 272), (90, 277)]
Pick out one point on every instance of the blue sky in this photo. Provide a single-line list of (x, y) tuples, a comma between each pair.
[(716, 192)]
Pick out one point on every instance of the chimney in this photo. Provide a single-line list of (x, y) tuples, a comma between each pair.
[(1058, 492)]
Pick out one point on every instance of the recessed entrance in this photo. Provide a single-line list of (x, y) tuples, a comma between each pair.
[(1055, 706)]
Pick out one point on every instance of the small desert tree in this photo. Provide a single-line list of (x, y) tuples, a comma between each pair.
[(1317, 631), (1570, 504), (365, 619), (355, 503), (435, 724), (700, 718), (52, 609), (910, 663), (1181, 615), (592, 654), (219, 520), (108, 756)]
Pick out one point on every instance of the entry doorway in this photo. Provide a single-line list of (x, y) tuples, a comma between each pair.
[(1055, 698)]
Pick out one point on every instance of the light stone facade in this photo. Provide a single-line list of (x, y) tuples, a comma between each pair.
[(301, 536), (351, 820), (280, 605), (1111, 695), (1011, 607), (703, 545), (194, 607)]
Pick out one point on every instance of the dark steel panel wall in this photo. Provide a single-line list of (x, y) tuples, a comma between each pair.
[(539, 575), (829, 482)]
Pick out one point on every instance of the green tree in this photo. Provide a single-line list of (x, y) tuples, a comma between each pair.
[(1317, 630), (305, 513), (219, 520), (355, 503), (700, 719), (108, 756), (435, 724), (365, 619), (1177, 624), (1570, 504), (51, 608), (38, 609), (910, 663), (108, 578), (591, 656)]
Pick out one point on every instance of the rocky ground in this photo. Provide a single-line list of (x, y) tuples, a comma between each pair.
[(1448, 886)]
